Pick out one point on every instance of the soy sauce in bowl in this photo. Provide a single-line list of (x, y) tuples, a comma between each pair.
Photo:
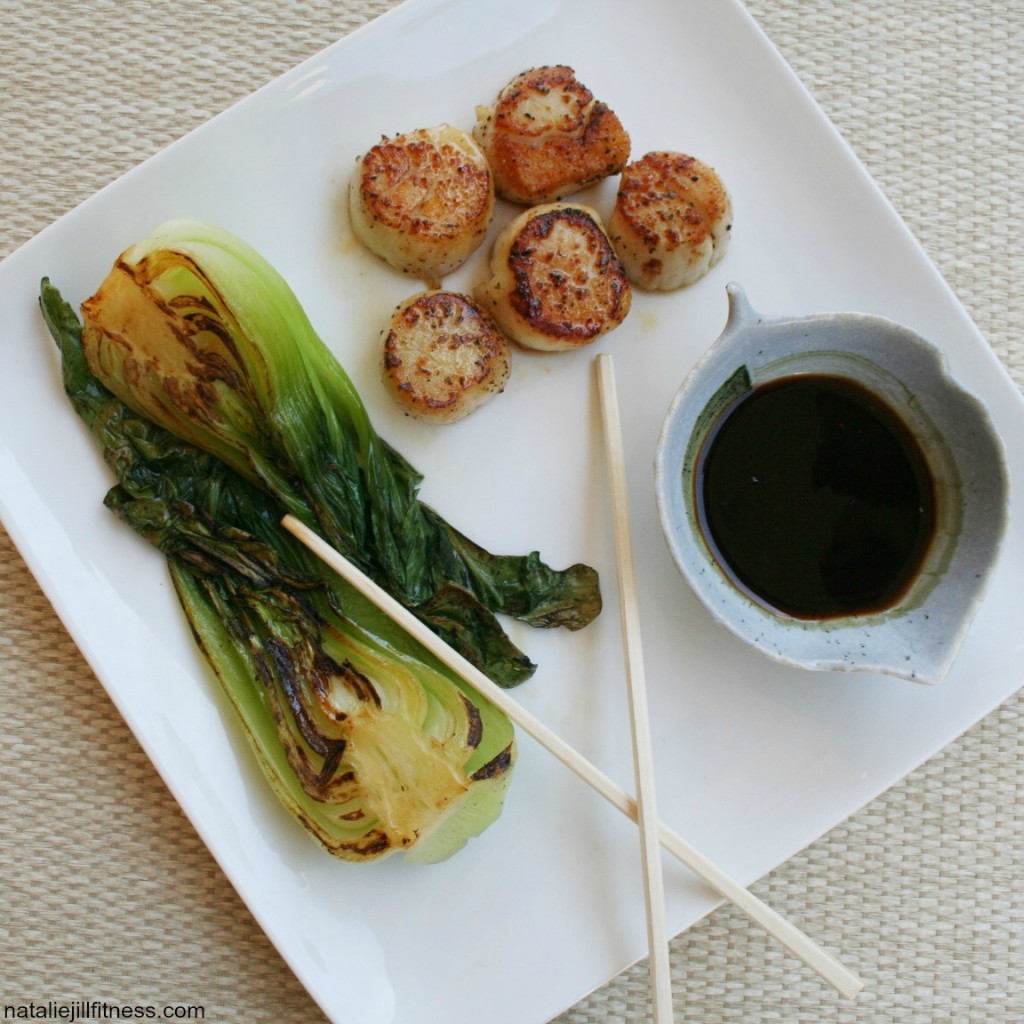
[(815, 497), (831, 494)]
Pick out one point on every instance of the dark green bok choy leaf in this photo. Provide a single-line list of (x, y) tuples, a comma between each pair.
[(196, 331), (364, 737)]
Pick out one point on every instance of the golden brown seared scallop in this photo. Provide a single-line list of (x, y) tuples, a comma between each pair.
[(556, 283), (672, 220), (443, 357), (423, 201), (546, 136)]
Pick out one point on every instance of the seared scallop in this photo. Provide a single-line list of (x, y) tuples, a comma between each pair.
[(443, 356), (556, 283), (672, 220), (546, 137), (423, 201)]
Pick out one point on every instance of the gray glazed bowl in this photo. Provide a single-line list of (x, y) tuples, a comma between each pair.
[(917, 638)]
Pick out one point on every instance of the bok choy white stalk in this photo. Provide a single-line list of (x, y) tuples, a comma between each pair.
[(368, 741)]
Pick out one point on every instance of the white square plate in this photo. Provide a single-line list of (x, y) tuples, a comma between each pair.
[(754, 760)]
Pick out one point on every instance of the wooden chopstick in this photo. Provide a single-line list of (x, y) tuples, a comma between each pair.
[(643, 758), (790, 936)]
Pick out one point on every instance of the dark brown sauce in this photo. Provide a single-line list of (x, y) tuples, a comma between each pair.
[(815, 497)]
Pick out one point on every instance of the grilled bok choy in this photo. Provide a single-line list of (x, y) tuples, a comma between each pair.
[(363, 736), (196, 331)]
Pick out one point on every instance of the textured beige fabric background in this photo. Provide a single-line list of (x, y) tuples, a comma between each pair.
[(106, 892)]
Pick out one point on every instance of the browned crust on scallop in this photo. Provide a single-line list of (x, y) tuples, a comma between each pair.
[(464, 334), (669, 200), (564, 295), (591, 143), (427, 191)]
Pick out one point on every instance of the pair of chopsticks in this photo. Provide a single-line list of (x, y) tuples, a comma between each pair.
[(654, 834)]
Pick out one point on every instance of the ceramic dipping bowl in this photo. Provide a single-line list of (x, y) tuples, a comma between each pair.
[(917, 636)]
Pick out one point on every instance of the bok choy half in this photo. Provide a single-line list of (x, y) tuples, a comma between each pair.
[(196, 331), (362, 735)]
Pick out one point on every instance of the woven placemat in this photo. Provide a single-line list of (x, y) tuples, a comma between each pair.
[(105, 890)]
